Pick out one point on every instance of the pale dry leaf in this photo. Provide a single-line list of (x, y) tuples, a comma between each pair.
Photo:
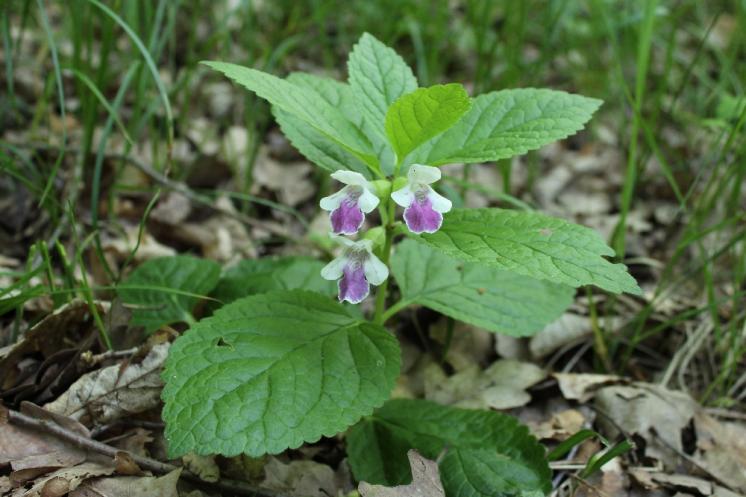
[(425, 481), (566, 329), (64, 480), (469, 344), (501, 386), (172, 208), (235, 147), (666, 419), (131, 486), (120, 248), (203, 466), (290, 180), (561, 426), (303, 478), (114, 392), (583, 386)]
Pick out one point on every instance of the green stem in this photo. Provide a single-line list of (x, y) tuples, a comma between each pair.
[(378, 317), (393, 309)]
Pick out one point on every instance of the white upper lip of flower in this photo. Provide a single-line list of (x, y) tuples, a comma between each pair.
[(419, 179), (361, 251), (357, 188)]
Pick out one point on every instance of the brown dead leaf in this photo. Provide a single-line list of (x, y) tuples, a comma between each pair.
[(21, 367), (125, 464), (114, 392), (425, 481)]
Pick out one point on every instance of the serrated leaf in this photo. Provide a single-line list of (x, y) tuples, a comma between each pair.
[(272, 371), (378, 76), (507, 123), (253, 276), (495, 449), (533, 245), (165, 290), (314, 145), (301, 103), (493, 299), (418, 116)]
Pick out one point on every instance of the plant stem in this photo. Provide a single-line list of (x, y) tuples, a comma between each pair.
[(378, 317)]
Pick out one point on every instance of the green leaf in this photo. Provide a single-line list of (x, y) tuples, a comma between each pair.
[(507, 123), (165, 290), (418, 116), (378, 76), (533, 245), (315, 145), (487, 453), (253, 276), (493, 299), (303, 104), (272, 371)]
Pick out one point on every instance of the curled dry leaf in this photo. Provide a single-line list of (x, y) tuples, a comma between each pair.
[(425, 481), (47, 358), (114, 392)]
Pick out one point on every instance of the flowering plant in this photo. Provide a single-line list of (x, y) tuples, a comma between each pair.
[(287, 365)]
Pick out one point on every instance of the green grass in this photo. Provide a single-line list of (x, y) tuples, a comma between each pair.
[(127, 71)]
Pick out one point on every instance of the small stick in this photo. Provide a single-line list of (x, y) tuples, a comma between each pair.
[(46, 426)]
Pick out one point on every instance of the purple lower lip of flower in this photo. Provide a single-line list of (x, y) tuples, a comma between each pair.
[(347, 218), (421, 217), (353, 287)]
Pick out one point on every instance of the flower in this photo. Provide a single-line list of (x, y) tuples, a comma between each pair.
[(355, 269), (423, 206), (350, 204)]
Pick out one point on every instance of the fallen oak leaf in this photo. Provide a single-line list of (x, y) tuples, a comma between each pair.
[(111, 393), (425, 481)]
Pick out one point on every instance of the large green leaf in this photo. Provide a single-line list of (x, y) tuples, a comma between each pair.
[(533, 245), (378, 76), (418, 116), (494, 299), (252, 276), (303, 104), (506, 123), (315, 145), (487, 453), (272, 371), (164, 290)]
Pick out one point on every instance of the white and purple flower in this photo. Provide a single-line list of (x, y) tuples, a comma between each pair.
[(356, 269), (423, 206), (350, 204)]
